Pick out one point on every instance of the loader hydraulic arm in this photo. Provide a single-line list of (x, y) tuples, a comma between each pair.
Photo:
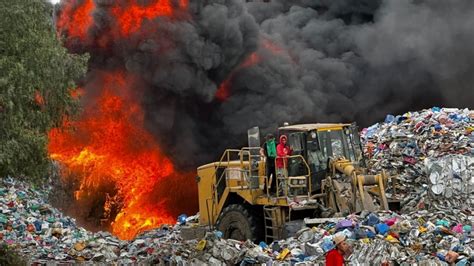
[(360, 180)]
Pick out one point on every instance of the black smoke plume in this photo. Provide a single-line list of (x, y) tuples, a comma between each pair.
[(337, 61)]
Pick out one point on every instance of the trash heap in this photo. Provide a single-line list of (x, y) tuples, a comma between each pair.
[(431, 154), (420, 237), (430, 151), (42, 234)]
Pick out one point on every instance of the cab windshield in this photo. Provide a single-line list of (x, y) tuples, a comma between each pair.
[(316, 158), (334, 144)]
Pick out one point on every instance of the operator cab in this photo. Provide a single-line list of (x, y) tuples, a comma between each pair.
[(316, 143)]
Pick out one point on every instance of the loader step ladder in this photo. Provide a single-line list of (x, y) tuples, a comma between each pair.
[(254, 158), (274, 219)]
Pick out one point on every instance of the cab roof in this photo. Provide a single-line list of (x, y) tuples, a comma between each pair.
[(309, 127)]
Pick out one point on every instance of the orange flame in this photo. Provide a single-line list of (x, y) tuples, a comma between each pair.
[(76, 18), (76, 93), (251, 60), (224, 90), (131, 17), (267, 44), (39, 99), (109, 144)]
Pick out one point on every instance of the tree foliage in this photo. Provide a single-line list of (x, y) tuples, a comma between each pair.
[(36, 78), (10, 256)]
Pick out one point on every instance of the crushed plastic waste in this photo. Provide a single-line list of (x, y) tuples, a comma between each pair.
[(431, 154), (430, 151)]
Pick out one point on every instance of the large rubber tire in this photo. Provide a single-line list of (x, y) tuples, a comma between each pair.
[(237, 222)]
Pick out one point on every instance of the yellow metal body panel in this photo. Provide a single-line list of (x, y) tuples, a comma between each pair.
[(217, 210), (209, 208), (234, 163), (205, 193), (331, 129)]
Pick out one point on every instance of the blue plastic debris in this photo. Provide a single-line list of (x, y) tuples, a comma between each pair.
[(382, 228), (218, 234), (182, 219), (389, 119), (372, 220)]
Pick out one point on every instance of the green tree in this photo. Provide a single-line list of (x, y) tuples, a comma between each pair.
[(36, 78), (10, 256)]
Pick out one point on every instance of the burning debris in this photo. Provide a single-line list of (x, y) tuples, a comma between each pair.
[(113, 153), (142, 54)]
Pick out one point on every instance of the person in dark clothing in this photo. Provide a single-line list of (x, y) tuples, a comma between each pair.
[(269, 151)]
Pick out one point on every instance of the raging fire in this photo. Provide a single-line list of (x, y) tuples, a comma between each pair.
[(108, 147), (76, 18), (116, 159), (110, 144), (131, 16)]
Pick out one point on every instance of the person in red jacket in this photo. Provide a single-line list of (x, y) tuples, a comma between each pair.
[(335, 257), (283, 150)]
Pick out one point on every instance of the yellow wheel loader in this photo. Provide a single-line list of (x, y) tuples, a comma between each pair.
[(325, 176)]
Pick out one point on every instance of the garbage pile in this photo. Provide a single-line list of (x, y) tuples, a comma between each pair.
[(42, 234), (451, 176), (431, 154), (419, 238)]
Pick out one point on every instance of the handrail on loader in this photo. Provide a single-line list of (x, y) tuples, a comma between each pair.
[(287, 178), (226, 158)]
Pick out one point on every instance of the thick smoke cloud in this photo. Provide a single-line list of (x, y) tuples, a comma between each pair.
[(180, 102), (335, 61), (406, 55), (423, 49), (179, 59)]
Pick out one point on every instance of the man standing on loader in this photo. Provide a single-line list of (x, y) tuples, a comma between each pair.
[(283, 150), (269, 151)]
